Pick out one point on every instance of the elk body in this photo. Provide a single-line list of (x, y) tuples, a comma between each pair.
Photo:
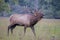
[(25, 20)]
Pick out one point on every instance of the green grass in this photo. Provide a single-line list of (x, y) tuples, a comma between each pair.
[(46, 29)]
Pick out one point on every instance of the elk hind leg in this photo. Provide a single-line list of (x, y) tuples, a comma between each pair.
[(11, 27), (25, 30)]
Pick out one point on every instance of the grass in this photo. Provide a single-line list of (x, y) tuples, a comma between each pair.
[(46, 29)]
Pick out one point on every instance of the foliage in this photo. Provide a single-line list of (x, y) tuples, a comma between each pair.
[(49, 7), (1, 5)]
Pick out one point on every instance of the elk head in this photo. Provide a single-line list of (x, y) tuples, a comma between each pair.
[(38, 14)]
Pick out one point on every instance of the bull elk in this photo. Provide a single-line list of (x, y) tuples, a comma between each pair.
[(26, 20)]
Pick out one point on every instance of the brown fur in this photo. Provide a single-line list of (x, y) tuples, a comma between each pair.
[(26, 20)]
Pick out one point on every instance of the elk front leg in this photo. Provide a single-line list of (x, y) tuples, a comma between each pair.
[(33, 30)]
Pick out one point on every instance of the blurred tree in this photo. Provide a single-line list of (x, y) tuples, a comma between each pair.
[(3, 7), (49, 7), (6, 0), (56, 6), (22, 2)]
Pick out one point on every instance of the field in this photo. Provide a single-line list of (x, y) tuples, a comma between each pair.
[(46, 29)]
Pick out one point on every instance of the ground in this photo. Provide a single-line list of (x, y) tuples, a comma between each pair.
[(46, 29)]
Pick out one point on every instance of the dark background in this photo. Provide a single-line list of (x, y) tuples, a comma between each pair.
[(50, 8)]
